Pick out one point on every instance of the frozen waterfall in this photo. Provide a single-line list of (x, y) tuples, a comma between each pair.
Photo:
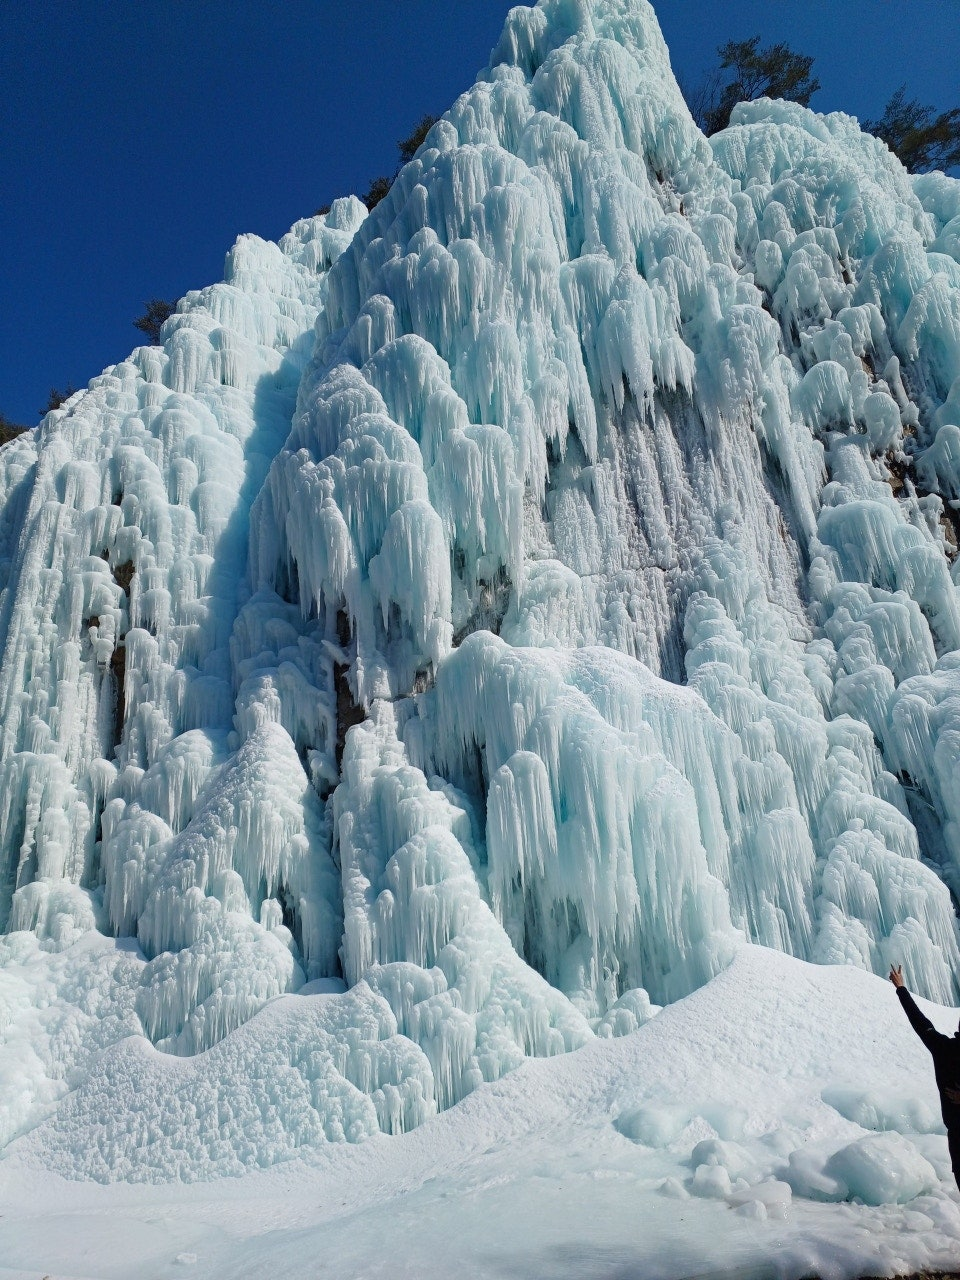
[(481, 614)]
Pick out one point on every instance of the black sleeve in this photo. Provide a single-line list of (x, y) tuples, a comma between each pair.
[(919, 1021)]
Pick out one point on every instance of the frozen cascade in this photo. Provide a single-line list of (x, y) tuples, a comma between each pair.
[(497, 606), (130, 803), (417, 929)]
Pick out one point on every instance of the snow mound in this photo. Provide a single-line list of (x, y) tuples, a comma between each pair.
[(640, 1155)]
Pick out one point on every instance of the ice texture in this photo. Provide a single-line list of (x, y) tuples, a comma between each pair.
[(500, 606)]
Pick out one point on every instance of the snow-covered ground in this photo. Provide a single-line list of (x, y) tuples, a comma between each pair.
[(713, 1141)]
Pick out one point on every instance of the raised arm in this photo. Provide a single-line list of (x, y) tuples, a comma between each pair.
[(919, 1021)]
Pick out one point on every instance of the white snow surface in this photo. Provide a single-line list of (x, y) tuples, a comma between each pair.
[(478, 625), (723, 1138)]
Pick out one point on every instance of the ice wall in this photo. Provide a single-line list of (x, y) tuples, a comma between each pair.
[(502, 603), (148, 786)]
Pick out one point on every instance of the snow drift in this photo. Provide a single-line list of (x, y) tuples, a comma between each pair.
[(646, 1155)]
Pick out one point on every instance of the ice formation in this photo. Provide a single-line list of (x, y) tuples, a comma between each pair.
[(492, 609)]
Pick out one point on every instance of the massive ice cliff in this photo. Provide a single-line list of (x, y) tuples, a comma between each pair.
[(480, 614)]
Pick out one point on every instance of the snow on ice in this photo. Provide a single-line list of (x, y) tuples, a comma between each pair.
[(478, 620)]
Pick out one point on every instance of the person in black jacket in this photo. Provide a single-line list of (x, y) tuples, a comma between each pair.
[(946, 1065)]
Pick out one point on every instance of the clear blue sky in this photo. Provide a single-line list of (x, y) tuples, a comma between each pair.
[(139, 137)]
